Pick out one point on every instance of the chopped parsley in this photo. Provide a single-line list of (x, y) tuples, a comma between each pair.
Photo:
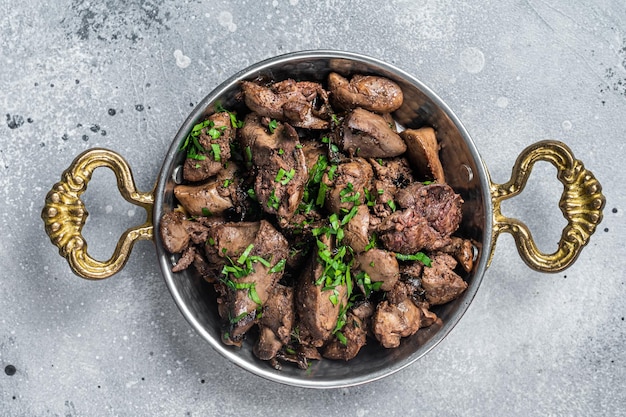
[(365, 282), (192, 145), (419, 256), (321, 194), (244, 266), (348, 195), (280, 266), (272, 201), (331, 172), (272, 125), (284, 177), (217, 152), (248, 157), (252, 194)]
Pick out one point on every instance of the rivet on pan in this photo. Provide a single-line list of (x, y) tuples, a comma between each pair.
[(468, 171)]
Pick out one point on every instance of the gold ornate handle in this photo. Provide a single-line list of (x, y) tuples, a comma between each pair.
[(581, 203), (64, 214)]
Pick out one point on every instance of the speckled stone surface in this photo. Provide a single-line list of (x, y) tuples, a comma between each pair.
[(77, 74)]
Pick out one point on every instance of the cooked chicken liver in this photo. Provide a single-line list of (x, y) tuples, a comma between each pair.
[(246, 292), (440, 282), (282, 172), (317, 314), (276, 323), (209, 164), (378, 94), (348, 184), (206, 199), (310, 229), (355, 334), (423, 152), (381, 266), (301, 104), (369, 135), (391, 322)]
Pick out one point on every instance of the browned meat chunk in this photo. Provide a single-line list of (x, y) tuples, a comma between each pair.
[(186, 259), (364, 310), (395, 173), (369, 135), (441, 207), (373, 93), (400, 292), (227, 240), (407, 232), (218, 133), (411, 270), (300, 356), (249, 252), (211, 273), (208, 199), (348, 185), (428, 318), (391, 322), (432, 213), (462, 250), (275, 325), (280, 164), (440, 282), (178, 232), (381, 266), (312, 150), (356, 231), (173, 231), (391, 175), (317, 312), (355, 334), (423, 152), (301, 104)]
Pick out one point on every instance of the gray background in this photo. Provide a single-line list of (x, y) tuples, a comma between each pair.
[(515, 72)]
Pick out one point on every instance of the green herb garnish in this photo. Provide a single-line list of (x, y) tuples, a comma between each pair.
[(284, 177), (419, 256), (280, 266), (217, 152), (272, 201), (272, 125), (233, 117)]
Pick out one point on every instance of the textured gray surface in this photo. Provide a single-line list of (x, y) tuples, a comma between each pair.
[(515, 73)]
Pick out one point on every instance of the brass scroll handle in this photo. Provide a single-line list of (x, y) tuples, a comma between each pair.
[(581, 203), (64, 214)]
